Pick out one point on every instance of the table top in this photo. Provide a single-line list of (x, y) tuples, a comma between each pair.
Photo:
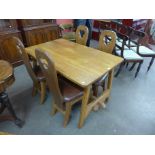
[(6, 74), (80, 64)]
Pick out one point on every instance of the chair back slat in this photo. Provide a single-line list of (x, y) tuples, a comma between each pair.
[(26, 60), (48, 68)]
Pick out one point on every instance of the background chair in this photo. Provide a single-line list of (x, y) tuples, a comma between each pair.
[(67, 31), (65, 94), (142, 49), (82, 35), (39, 82), (107, 42), (9, 51), (128, 55)]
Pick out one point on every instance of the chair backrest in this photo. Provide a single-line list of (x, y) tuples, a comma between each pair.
[(124, 38), (137, 36), (25, 58), (48, 68), (82, 34), (8, 47), (107, 41)]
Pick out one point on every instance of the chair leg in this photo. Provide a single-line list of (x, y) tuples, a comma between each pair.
[(138, 68), (54, 110), (43, 91), (127, 65), (95, 90), (131, 68), (67, 113), (151, 62), (104, 86), (119, 70), (34, 90)]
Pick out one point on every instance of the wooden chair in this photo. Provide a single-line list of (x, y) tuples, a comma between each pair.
[(126, 30), (39, 81), (128, 55), (142, 50), (9, 51), (81, 35), (107, 42), (67, 31), (65, 94)]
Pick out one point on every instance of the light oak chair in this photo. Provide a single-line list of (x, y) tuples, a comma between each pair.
[(107, 42), (82, 34), (128, 54), (65, 94), (39, 81)]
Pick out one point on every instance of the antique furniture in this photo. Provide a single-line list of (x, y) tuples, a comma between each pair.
[(8, 46), (107, 43), (36, 31), (65, 93), (39, 82), (8, 28), (30, 31), (81, 65), (81, 35), (128, 55), (6, 79), (100, 24), (67, 31), (142, 50)]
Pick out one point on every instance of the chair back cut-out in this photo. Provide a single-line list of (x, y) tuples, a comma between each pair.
[(107, 41), (82, 35), (25, 58), (48, 68)]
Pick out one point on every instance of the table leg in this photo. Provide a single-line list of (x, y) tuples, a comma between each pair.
[(110, 79), (84, 106)]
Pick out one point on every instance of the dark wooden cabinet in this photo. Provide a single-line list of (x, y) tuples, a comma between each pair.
[(30, 31), (36, 31), (8, 52), (52, 33)]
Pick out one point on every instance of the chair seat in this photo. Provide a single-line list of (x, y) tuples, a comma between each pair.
[(120, 40), (129, 55), (69, 35), (144, 50), (39, 74), (120, 44), (69, 90), (132, 44)]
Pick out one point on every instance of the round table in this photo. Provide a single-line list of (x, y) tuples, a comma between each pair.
[(6, 79)]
